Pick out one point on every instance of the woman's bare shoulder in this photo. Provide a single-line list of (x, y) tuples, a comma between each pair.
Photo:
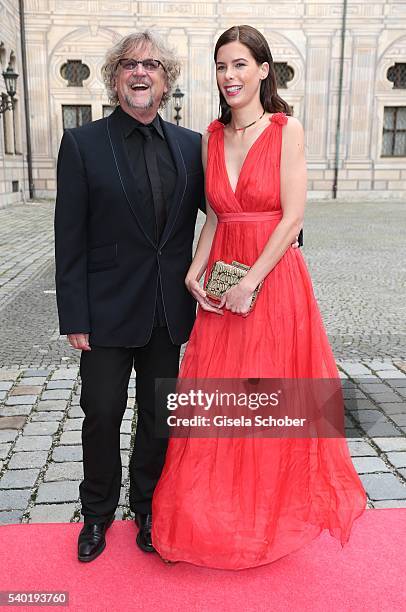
[(293, 126)]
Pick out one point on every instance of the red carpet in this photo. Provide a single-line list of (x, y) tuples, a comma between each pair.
[(367, 575)]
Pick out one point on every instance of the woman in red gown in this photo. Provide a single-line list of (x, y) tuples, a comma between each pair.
[(235, 503)]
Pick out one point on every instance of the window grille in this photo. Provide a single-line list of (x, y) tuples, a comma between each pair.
[(75, 73), (397, 75), (394, 131), (75, 116), (284, 74)]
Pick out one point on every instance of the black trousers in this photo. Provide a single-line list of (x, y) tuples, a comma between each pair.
[(105, 373)]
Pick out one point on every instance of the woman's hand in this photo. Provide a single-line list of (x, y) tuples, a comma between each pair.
[(238, 299), (200, 296)]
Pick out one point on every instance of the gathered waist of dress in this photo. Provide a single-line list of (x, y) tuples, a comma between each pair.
[(245, 217)]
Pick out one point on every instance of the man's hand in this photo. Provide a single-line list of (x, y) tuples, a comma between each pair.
[(79, 341), (295, 245)]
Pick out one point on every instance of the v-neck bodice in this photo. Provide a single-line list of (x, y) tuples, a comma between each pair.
[(258, 184)]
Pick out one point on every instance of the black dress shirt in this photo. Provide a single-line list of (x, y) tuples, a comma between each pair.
[(134, 142)]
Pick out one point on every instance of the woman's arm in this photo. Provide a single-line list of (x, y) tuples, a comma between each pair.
[(293, 179), (201, 257)]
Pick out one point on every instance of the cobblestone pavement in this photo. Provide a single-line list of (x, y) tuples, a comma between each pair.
[(354, 252), (26, 242), (355, 258), (40, 445), (40, 439)]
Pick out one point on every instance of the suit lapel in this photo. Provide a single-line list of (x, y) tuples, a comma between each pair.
[(129, 184), (181, 182)]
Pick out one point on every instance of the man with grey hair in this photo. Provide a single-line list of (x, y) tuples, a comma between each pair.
[(129, 187)]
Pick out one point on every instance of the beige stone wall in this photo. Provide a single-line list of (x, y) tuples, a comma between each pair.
[(13, 166), (305, 33)]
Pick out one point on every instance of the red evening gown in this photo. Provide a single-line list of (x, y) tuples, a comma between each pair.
[(235, 503)]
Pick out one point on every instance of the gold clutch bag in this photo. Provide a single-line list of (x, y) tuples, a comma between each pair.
[(223, 276)]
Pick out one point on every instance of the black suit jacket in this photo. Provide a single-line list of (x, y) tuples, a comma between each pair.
[(107, 262)]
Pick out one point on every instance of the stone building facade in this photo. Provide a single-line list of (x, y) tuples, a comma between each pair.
[(13, 147), (70, 37)]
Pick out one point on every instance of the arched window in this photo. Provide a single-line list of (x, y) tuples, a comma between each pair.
[(397, 75), (284, 74), (75, 72)]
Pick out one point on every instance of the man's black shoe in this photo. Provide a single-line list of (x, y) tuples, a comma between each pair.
[(144, 522), (92, 541)]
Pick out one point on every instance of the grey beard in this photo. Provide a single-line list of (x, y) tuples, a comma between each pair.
[(148, 104)]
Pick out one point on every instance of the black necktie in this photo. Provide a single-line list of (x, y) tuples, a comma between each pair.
[(155, 179)]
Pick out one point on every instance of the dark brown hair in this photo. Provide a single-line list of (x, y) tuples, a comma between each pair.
[(259, 48)]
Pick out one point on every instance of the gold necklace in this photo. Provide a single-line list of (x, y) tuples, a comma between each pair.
[(249, 125)]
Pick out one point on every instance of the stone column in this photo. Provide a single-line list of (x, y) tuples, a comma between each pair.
[(38, 84), (363, 76), (200, 79), (8, 130), (317, 94), (17, 127)]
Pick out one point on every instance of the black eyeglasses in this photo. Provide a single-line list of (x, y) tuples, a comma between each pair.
[(149, 64)]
